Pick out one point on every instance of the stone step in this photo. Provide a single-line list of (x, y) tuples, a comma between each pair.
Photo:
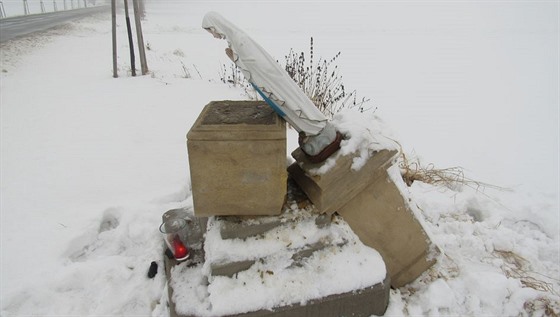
[(364, 302), (231, 268), (360, 303), (240, 228)]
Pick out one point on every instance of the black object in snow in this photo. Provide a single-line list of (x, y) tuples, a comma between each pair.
[(153, 270)]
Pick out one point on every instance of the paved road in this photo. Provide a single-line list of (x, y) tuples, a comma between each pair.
[(27, 24)]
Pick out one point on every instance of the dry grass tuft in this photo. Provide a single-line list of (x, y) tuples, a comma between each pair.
[(414, 171), (452, 177), (515, 266), (542, 307)]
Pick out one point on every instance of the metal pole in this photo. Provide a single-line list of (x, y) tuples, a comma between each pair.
[(65, 7), (114, 24), (25, 7), (130, 42), (2, 12), (142, 9), (143, 62), (55, 8)]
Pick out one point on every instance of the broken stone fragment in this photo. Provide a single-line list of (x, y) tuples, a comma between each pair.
[(371, 203)]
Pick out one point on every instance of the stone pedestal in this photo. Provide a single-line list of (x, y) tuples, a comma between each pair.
[(371, 203), (237, 159), (330, 191)]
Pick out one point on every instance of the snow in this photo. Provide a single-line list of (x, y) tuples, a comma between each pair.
[(89, 163), (364, 134)]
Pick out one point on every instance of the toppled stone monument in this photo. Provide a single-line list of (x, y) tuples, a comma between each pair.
[(263, 247), (329, 240), (371, 203)]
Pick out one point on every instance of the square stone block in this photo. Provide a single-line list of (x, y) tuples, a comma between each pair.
[(330, 191), (237, 159)]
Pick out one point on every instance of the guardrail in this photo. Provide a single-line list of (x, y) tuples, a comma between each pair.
[(14, 8)]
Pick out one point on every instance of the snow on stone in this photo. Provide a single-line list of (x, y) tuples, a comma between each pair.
[(364, 134), (345, 265)]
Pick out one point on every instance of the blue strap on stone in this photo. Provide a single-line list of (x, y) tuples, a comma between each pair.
[(269, 101)]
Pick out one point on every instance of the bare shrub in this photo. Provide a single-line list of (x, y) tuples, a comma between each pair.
[(322, 82), (232, 75)]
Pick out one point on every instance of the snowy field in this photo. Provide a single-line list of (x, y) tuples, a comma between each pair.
[(89, 163)]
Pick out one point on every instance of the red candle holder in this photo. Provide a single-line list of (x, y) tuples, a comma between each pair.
[(175, 235)]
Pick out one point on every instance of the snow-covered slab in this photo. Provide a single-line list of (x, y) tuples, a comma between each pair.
[(297, 265)]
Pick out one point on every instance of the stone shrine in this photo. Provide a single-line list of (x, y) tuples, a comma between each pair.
[(272, 221)]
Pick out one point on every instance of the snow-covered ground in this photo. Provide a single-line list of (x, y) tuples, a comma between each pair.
[(89, 163)]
